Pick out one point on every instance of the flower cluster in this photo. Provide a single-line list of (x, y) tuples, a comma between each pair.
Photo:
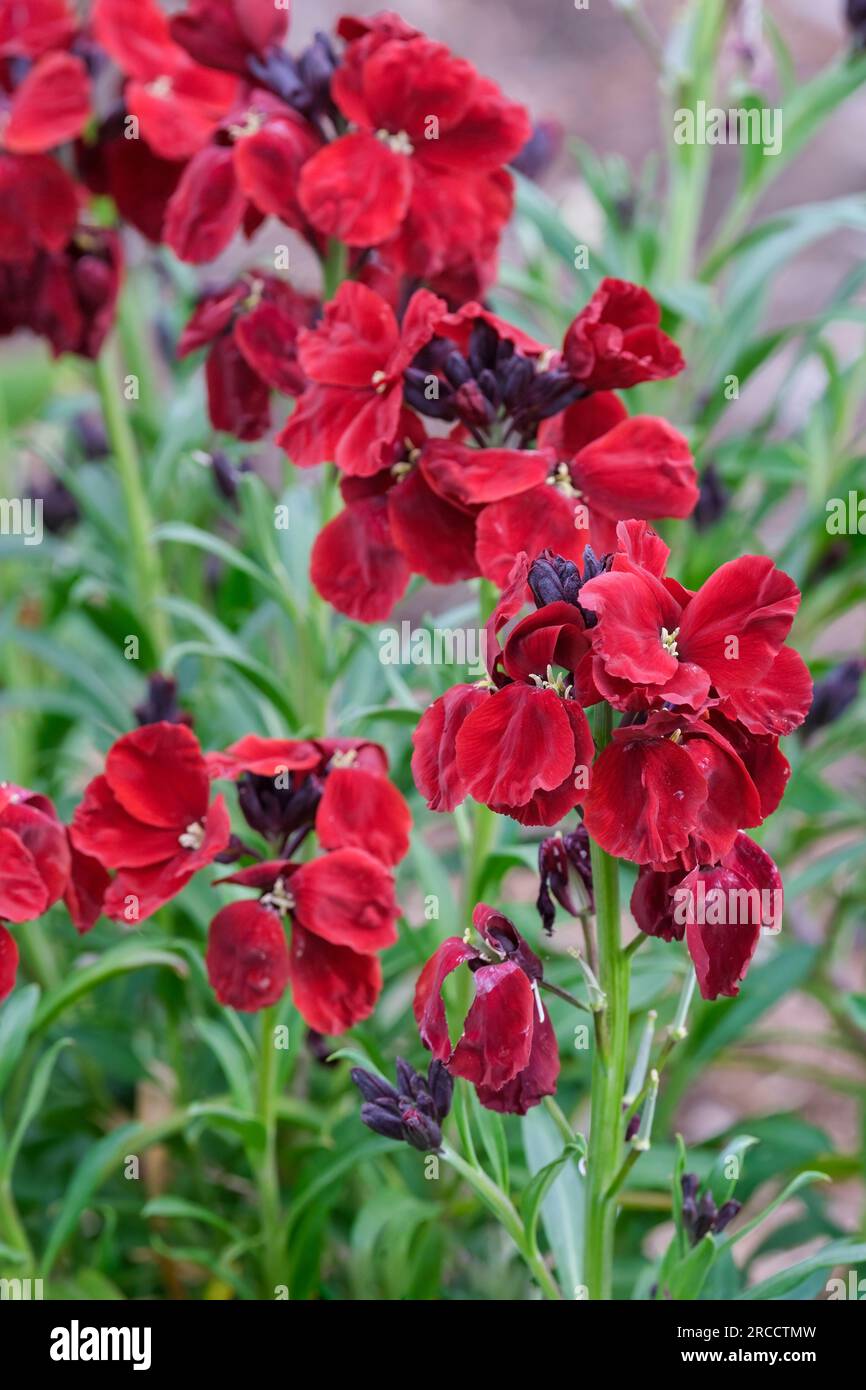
[(461, 441), (705, 686), (149, 822)]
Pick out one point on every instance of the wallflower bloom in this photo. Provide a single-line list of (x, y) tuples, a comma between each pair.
[(178, 103), (342, 912), (616, 341), (518, 742), (720, 908), (421, 169), (67, 296), (251, 329), (507, 1047), (149, 816)]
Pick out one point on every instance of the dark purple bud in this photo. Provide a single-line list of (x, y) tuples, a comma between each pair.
[(540, 150), (553, 579), (160, 704), (440, 1084), (419, 1130), (833, 695), (383, 1118), (372, 1087), (632, 1128), (712, 500), (415, 386), (89, 430), (483, 342), (706, 1217), (318, 1046), (855, 14), (278, 811), (490, 386), (472, 405), (456, 369), (515, 377), (725, 1216), (59, 507)]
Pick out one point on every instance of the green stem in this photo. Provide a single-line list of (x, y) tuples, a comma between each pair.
[(334, 268), (11, 1226), (143, 555), (506, 1213), (268, 1175), (608, 1069)]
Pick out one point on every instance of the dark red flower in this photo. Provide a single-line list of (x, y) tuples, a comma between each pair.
[(34, 854), (507, 1047), (342, 911), (355, 359), (656, 643), (148, 816), (251, 329), (721, 908), (28, 30), (68, 296), (249, 171), (600, 466), (228, 34), (177, 102), (428, 131), (686, 790), (337, 787), (85, 891), (616, 341), (128, 171), (521, 744)]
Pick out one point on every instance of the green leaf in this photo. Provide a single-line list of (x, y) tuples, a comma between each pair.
[(16, 1016), (33, 1101), (788, 1191), (179, 1209), (119, 960), (562, 1204), (687, 1278), (838, 1252), (721, 1186)]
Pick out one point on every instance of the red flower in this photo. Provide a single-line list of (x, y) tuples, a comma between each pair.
[(34, 853), (8, 962), (687, 791), (68, 296), (253, 328), (657, 643), (28, 30), (523, 745), (230, 33), (720, 908), (337, 787), (507, 1048), (355, 359), (128, 171), (249, 172), (342, 912), (149, 818), (427, 129), (47, 107), (616, 341), (599, 466), (177, 102)]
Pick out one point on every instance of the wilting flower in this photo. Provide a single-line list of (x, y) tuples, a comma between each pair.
[(565, 872), (251, 329), (518, 742), (411, 1111), (720, 908), (342, 912), (149, 816), (507, 1048), (700, 1215), (616, 341), (421, 169)]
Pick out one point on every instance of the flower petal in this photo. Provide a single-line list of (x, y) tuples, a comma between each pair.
[(347, 898), (356, 189), (333, 987), (158, 775), (247, 956), (518, 741), (434, 759), (362, 810), (355, 564)]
